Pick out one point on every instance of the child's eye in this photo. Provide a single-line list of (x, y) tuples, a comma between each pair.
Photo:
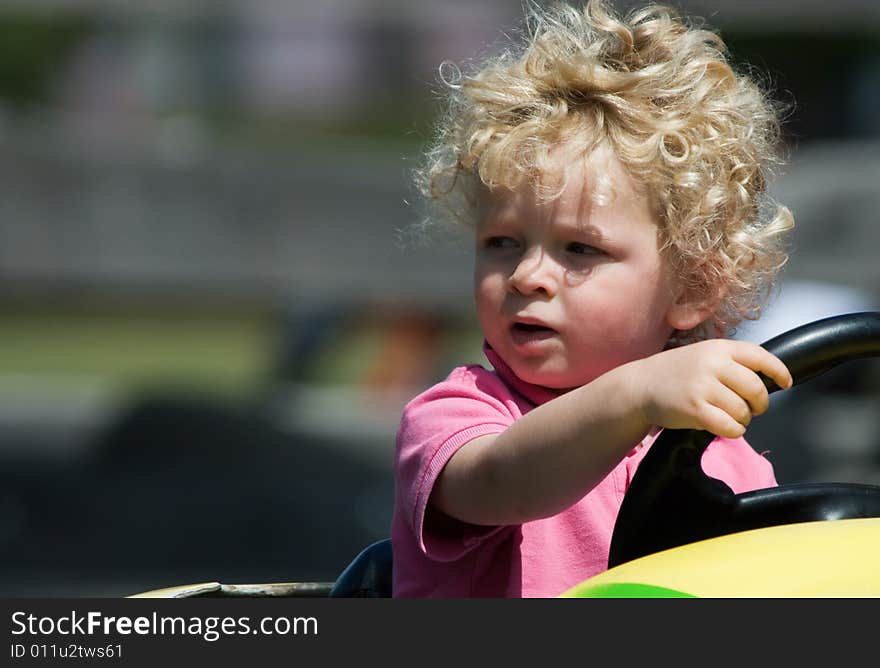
[(506, 243), (578, 248)]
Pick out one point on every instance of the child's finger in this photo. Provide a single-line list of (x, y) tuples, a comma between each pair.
[(760, 359), (748, 385), (719, 422), (732, 404)]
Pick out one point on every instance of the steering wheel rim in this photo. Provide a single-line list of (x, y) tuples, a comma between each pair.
[(671, 501)]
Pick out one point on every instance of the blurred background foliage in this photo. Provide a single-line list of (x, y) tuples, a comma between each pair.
[(212, 309)]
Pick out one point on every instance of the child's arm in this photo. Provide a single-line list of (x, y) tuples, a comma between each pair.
[(551, 457)]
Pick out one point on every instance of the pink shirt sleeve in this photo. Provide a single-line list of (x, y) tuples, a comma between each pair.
[(471, 402)]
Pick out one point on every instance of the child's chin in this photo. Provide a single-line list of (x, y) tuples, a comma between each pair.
[(552, 379)]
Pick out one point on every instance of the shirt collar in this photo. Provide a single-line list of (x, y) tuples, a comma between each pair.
[(536, 394)]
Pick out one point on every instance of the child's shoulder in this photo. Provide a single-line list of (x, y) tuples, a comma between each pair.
[(469, 373), (468, 383), (469, 378), (470, 396)]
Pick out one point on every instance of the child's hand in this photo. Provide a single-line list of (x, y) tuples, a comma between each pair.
[(711, 385)]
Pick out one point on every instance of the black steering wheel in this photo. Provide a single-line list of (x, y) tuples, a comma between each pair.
[(672, 502)]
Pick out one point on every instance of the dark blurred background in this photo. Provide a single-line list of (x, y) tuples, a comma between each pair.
[(209, 317)]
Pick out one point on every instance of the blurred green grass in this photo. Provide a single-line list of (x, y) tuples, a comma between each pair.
[(228, 351)]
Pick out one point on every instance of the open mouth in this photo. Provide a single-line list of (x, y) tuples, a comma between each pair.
[(528, 334), (525, 327)]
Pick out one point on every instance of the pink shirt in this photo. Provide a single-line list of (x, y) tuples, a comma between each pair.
[(435, 555)]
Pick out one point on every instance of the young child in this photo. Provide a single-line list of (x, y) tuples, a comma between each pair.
[(614, 171)]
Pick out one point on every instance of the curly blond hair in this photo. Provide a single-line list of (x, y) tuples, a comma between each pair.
[(663, 95)]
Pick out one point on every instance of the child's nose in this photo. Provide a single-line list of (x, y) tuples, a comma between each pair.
[(533, 273)]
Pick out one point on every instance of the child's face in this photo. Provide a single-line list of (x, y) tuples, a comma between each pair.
[(568, 289)]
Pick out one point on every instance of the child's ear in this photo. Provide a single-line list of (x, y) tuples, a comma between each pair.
[(693, 307)]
